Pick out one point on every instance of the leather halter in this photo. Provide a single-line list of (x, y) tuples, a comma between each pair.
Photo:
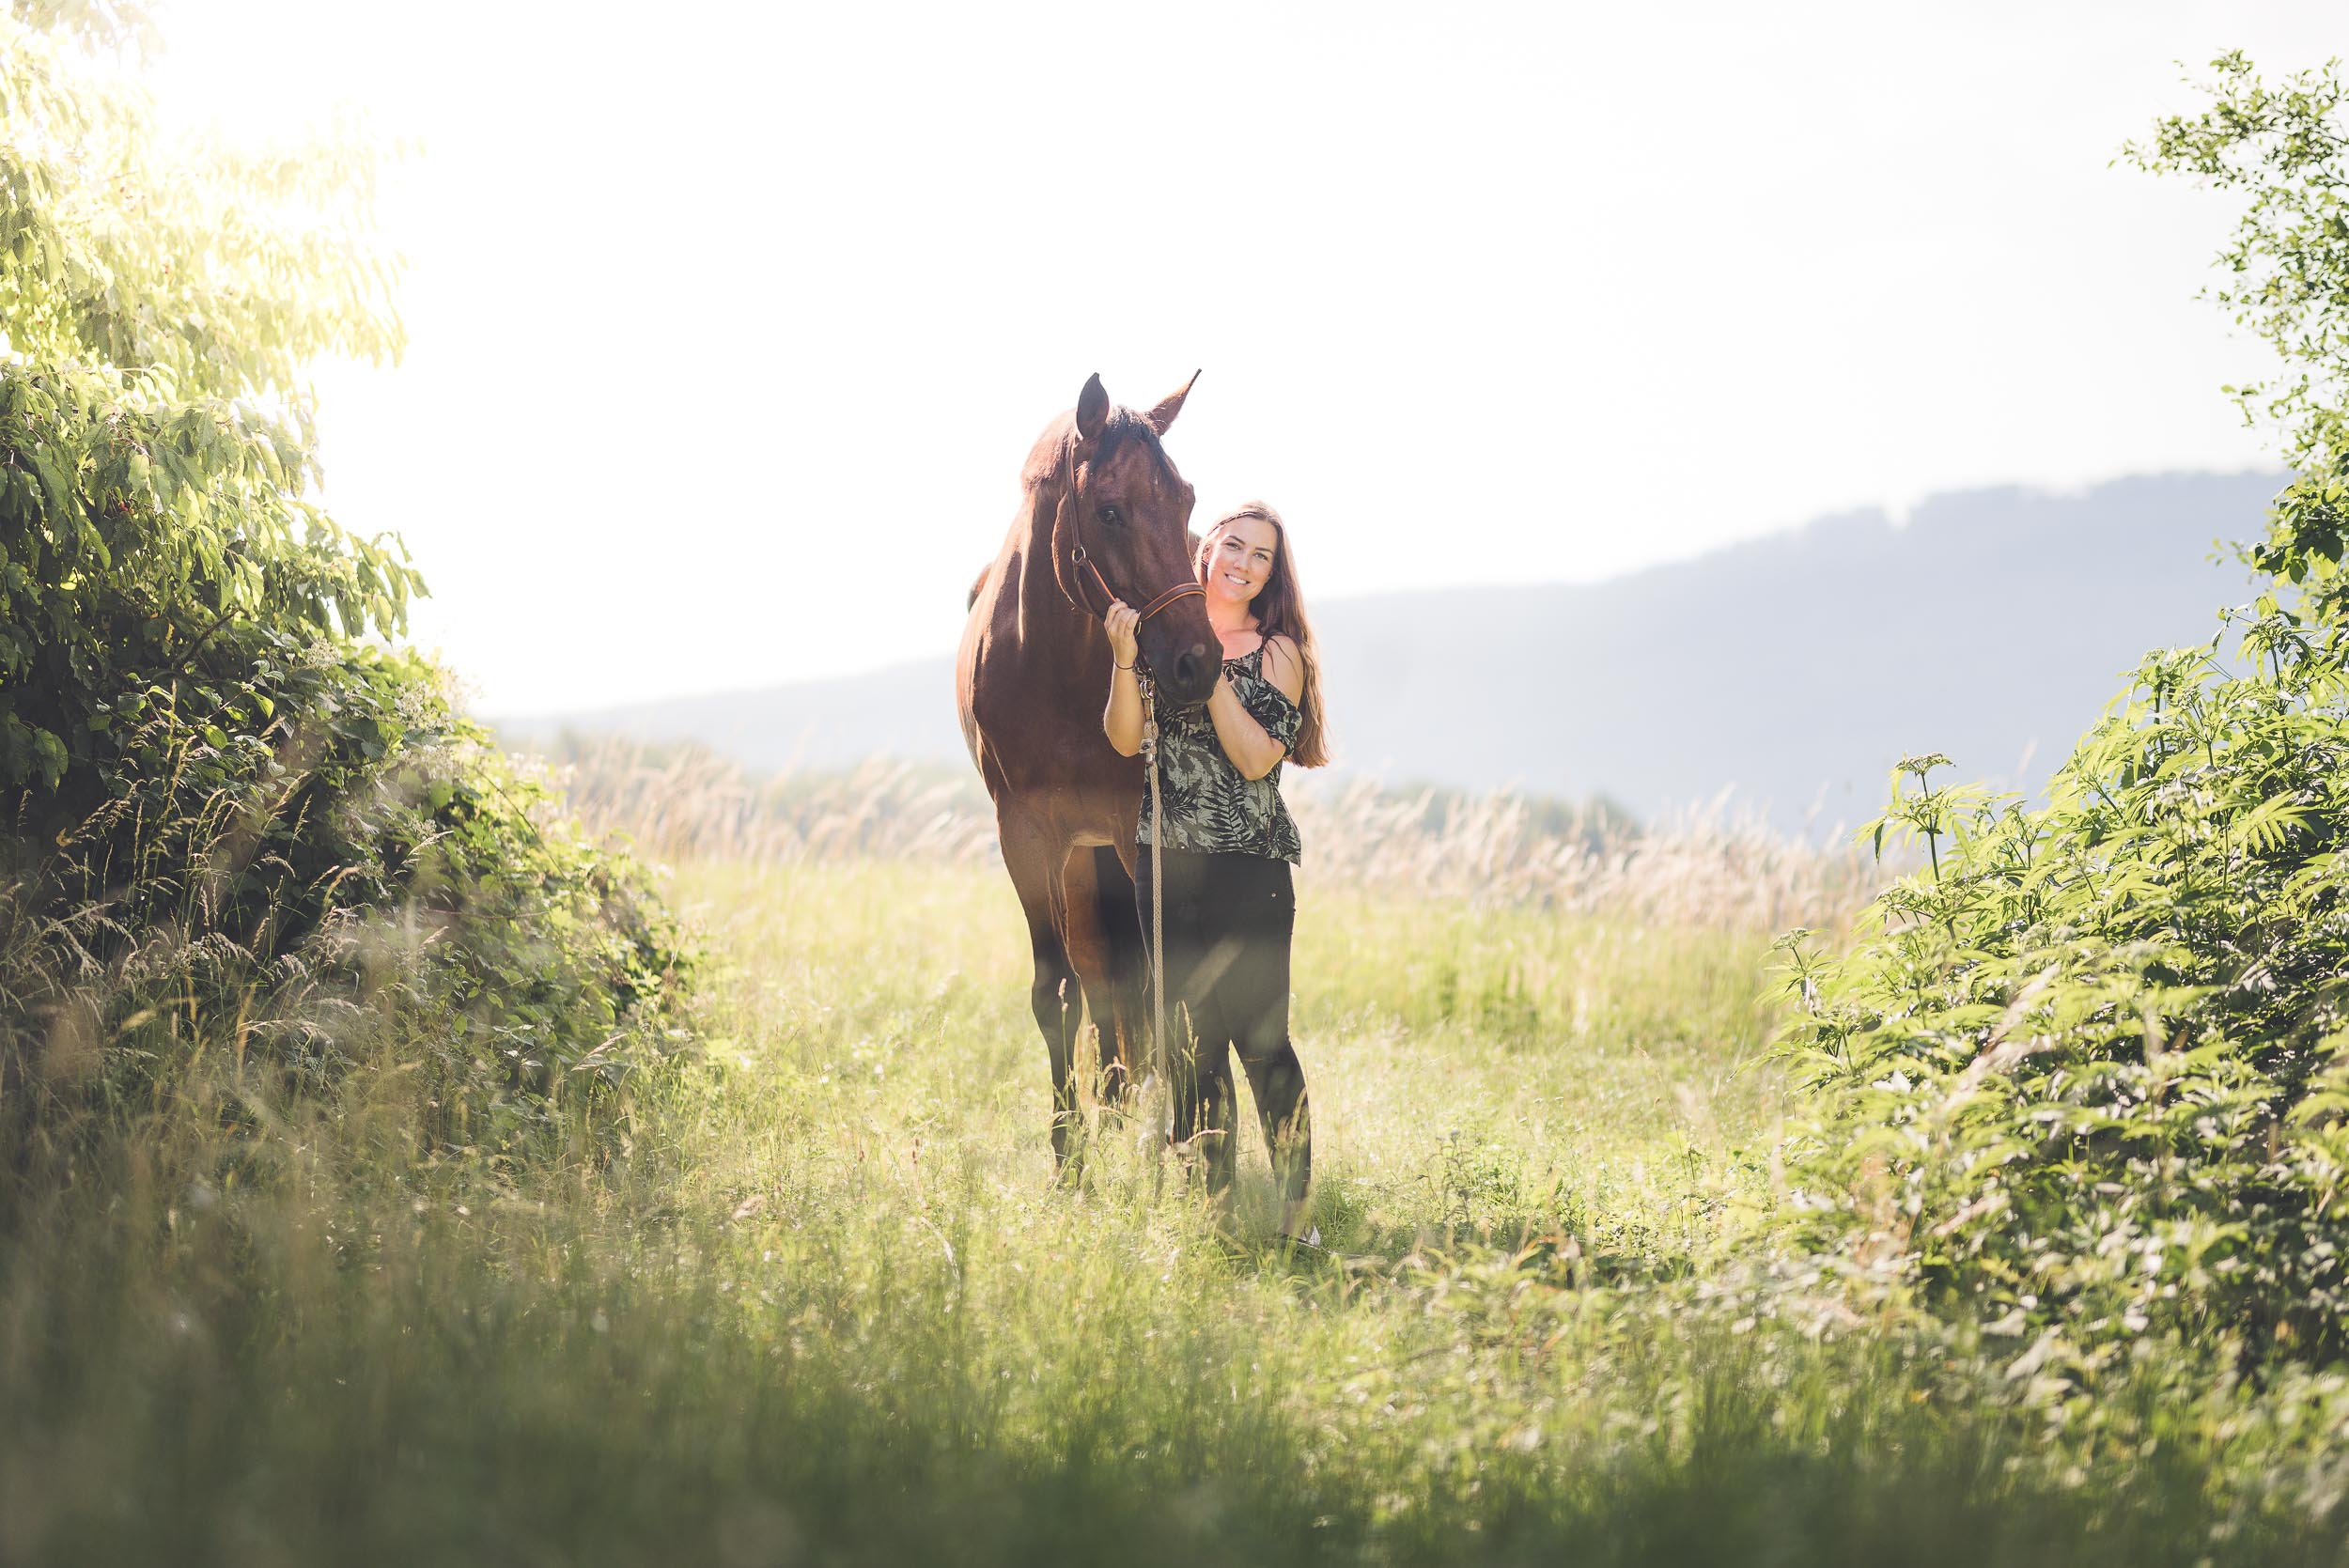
[(1079, 558)]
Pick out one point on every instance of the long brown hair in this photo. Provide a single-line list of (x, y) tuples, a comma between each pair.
[(1280, 611)]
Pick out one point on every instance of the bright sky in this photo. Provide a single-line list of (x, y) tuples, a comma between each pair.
[(731, 324)]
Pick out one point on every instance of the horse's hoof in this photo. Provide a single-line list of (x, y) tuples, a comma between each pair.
[(1306, 1246)]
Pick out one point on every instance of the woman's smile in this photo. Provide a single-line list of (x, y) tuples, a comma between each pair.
[(1242, 560)]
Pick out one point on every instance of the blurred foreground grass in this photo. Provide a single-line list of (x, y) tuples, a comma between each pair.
[(827, 1304)]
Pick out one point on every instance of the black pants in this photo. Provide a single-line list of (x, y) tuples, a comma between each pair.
[(1228, 923)]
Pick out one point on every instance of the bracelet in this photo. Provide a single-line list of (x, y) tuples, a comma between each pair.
[(1115, 665)]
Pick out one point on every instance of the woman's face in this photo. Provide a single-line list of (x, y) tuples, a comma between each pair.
[(1239, 559)]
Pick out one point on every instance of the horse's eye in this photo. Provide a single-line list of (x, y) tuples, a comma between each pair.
[(1111, 516)]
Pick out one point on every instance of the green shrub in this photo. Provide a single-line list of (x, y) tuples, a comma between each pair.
[(2085, 1077), (240, 820)]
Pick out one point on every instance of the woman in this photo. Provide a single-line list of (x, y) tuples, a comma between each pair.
[(1228, 843)]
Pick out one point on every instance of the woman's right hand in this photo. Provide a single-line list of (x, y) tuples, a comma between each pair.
[(1121, 624)]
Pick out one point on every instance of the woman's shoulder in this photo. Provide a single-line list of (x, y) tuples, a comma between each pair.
[(1282, 663)]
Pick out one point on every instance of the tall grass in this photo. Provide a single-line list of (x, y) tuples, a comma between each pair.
[(819, 1297)]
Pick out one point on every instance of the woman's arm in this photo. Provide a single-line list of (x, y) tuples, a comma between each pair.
[(1253, 751), (1121, 720)]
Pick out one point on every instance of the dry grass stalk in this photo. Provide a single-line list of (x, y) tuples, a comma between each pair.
[(1708, 867), (685, 803)]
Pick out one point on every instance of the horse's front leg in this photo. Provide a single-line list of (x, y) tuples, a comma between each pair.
[(1033, 856)]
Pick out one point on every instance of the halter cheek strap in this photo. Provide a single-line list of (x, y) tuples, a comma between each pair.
[(1109, 596), (1083, 562)]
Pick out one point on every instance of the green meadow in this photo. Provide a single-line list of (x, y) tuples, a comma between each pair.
[(821, 1298)]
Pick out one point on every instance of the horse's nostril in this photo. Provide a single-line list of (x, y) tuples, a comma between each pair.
[(1186, 664)]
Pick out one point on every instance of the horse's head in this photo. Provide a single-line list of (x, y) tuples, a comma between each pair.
[(1124, 509)]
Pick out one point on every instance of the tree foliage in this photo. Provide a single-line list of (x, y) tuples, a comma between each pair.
[(2085, 1075), (159, 304), (2285, 150), (224, 779)]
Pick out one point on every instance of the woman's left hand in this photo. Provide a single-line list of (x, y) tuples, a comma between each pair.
[(1123, 624)]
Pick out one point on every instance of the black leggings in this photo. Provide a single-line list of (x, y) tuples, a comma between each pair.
[(1228, 923)]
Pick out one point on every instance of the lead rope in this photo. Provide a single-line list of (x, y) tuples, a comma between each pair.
[(1163, 1066)]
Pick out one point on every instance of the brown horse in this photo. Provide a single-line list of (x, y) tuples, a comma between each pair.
[(1104, 513)]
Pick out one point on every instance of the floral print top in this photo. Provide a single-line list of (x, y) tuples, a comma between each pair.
[(1209, 807)]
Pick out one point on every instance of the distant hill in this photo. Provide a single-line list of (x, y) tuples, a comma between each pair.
[(1796, 668)]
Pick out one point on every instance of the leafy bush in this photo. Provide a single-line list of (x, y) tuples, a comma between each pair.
[(2086, 1074), (240, 820)]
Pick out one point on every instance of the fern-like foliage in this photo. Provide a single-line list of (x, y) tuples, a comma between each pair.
[(2088, 1077)]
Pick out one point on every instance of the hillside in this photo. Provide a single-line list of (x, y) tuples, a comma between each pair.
[(1795, 668)]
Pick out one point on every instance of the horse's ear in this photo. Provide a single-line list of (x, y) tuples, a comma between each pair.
[(1093, 408), (1170, 405)]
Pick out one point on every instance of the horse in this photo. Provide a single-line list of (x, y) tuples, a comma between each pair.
[(1103, 513)]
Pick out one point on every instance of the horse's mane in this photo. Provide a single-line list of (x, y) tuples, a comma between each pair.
[(1126, 425)]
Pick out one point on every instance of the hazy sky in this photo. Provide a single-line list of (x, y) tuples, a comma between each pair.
[(732, 324)]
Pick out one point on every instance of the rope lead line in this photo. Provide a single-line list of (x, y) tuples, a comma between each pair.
[(1164, 1063)]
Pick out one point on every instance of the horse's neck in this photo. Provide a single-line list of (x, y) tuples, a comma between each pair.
[(1055, 637), (1031, 539)]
